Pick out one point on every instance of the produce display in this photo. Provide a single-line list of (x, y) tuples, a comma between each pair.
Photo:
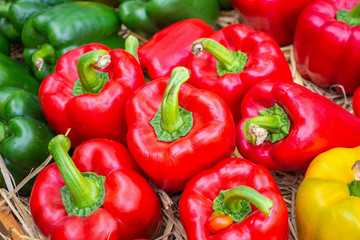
[(179, 119)]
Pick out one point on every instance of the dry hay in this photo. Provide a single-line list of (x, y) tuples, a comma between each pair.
[(288, 182)]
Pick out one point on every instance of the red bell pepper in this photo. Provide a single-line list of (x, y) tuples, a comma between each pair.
[(239, 58), (109, 201), (93, 106), (356, 102), (226, 190), (176, 134), (170, 47), (276, 17), (326, 43), (285, 126)]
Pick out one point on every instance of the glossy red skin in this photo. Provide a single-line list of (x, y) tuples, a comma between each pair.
[(197, 199), (265, 61), (169, 165), (275, 17), (326, 50), (356, 102), (131, 208), (316, 125), (171, 47), (88, 115)]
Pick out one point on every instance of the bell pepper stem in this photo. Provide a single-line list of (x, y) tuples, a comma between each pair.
[(132, 46), (45, 54), (234, 195), (350, 17), (272, 125), (84, 191), (256, 129), (355, 12), (230, 62), (4, 9), (170, 116), (90, 81), (354, 186)]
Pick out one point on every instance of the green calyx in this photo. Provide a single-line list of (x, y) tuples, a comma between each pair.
[(45, 54), (235, 202), (171, 121), (132, 46), (91, 80), (354, 186), (227, 61), (350, 17), (82, 193), (271, 125)]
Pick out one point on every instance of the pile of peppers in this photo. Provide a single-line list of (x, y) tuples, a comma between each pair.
[(125, 119)]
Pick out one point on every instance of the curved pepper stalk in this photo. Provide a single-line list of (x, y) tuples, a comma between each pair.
[(235, 203), (227, 61), (271, 125), (91, 80), (83, 193), (171, 121)]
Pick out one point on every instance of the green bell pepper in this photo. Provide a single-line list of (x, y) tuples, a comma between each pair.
[(14, 74), (146, 17), (24, 133), (14, 13), (4, 45), (52, 32)]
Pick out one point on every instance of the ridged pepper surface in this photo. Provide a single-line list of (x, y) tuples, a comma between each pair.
[(328, 199), (4, 45), (51, 32), (14, 13), (24, 134)]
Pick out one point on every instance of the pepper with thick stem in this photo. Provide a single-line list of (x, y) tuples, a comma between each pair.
[(306, 125), (176, 130), (329, 197), (237, 189), (234, 59), (90, 100), (102, 203)]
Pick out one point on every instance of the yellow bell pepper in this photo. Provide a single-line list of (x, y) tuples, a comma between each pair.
[(325, 207)]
